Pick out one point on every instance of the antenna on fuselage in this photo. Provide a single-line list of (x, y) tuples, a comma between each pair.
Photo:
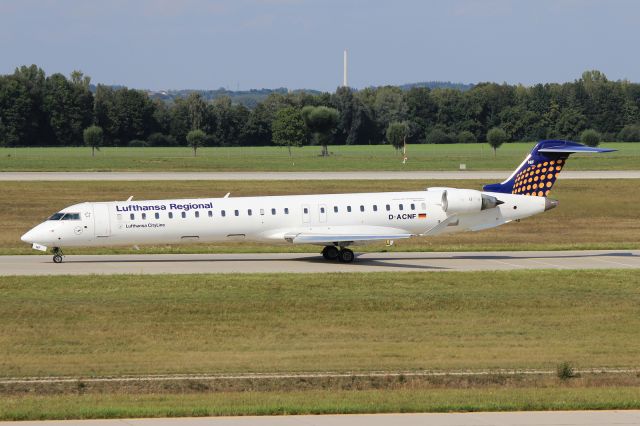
[(227, 196), (130, 198)]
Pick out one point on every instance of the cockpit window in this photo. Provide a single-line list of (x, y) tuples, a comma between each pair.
[(71, 216), (56, 216)]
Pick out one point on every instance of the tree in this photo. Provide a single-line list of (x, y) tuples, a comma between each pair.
[(288, 128), (93, 137), (196, 138), (496, 137), (321, 121), (397, 134), (590, 137)]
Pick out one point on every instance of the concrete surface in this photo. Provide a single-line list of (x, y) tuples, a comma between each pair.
[(488, 176), (306, 263), (523, 418)]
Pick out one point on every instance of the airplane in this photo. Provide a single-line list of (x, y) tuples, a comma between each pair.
[(334, 221)]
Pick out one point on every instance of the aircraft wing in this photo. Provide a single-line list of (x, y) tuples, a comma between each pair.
[(351, 234)]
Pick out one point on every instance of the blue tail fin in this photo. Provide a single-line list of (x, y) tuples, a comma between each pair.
[(539, 171)]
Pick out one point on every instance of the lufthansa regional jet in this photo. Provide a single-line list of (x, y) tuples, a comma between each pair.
[(335, 221)]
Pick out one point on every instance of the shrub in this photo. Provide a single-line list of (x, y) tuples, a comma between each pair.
[(466, 136), (160, 139), (630, 133), (565, 371), (438, 136), (590, 137), (137, 143)]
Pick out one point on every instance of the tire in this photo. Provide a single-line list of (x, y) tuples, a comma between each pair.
[(57, 258), (346, 256), (330, 252)]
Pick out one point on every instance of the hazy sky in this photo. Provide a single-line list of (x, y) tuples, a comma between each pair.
[(173, 44)]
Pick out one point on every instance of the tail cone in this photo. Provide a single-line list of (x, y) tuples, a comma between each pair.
[(550, 204)]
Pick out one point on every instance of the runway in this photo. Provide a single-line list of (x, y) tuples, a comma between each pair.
[(538, 418), (314, 263), (372, 175)]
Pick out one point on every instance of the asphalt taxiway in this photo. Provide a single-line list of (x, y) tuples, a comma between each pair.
[(528, 418), (314, 263), (362, 175)]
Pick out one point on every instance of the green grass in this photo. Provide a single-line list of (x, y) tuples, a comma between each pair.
[(344, 158), (114, 325), (592, 214), (317, 402)]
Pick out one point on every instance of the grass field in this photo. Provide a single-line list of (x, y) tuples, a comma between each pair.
[(344, 158), (114, 325), (317, 402), (592, 214)]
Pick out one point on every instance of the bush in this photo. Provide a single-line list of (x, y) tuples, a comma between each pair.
[(630, 133), (438, 136), (590, 137), (466, 136), (160, 139), (137, 143), (564, 371)]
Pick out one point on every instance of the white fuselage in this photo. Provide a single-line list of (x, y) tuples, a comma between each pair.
[(338, 218)]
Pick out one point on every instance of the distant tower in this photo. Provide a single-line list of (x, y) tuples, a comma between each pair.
[(344, 71)]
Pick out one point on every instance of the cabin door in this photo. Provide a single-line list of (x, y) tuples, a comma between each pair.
[(101, 225), (322, 213), (305, 213)]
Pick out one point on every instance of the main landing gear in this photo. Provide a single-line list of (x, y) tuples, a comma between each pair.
[(342, 254), (57, 255)]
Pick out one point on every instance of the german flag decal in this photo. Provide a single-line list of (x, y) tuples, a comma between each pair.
[(422, 215)]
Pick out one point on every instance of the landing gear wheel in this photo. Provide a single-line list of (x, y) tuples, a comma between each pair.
[(346, 256), (57, 255), (330, 252)]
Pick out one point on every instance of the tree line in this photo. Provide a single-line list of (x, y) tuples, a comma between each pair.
[(55, 110)]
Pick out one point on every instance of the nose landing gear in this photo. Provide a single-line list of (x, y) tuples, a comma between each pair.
[(57, 255), (343, 254)]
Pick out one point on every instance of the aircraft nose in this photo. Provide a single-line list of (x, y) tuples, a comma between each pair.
[(28, 237)]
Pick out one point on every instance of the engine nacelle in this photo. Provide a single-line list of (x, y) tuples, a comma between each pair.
[(462, 201)]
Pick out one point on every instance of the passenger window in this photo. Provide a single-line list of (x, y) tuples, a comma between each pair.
[(210, 213), (388, 207), (306, 210), (170, 215), (413, 206), (335, 209), (286, 210), (249, 212), (321, 209), (273, 211), (144, 216), (375, 208), (119, 217), (361, 208), (157, 215), (424, 206), (197, 213), (349, 209), (261, 212), (223, 213), (236, 212), (132, 216), (183, 214)]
